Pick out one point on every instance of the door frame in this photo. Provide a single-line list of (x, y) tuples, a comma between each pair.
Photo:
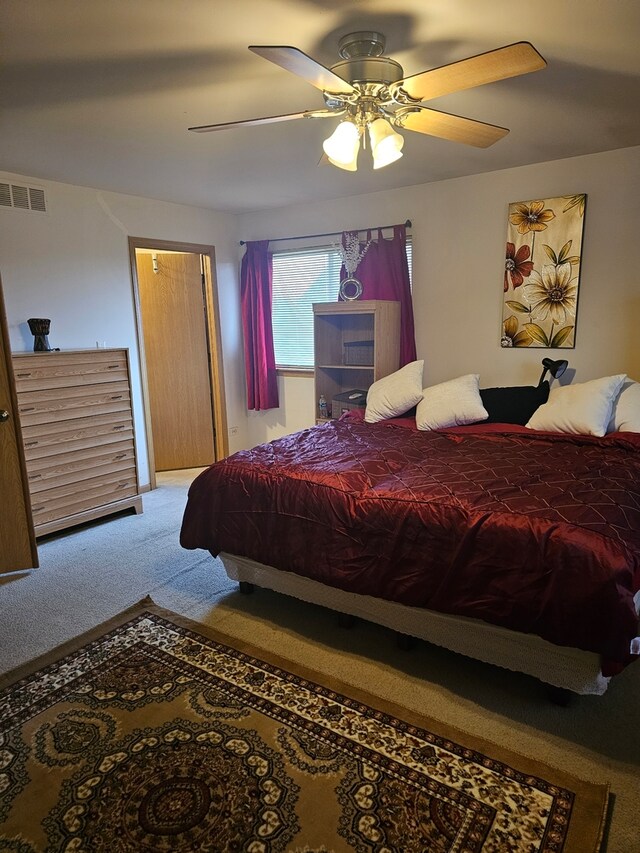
[(214, 341)]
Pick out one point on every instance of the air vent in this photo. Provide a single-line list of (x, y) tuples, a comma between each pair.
[(20, 196), (23, 198), (37, 200)]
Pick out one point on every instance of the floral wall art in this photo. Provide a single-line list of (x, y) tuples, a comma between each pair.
[(542, 272)]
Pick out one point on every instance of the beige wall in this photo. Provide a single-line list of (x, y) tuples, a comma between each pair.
[(459, 234)]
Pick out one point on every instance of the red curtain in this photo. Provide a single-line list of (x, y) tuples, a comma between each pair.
[(384, 274), (256, 275)]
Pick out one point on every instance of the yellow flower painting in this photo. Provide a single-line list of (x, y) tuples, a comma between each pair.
[(542, 272)]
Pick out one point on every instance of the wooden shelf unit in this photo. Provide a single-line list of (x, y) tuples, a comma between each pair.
[(77, 430), (338, 323)]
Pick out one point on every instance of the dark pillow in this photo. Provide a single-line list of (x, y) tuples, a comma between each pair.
[(515, 404)]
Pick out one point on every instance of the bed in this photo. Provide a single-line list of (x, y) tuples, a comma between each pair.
[(517, 547)]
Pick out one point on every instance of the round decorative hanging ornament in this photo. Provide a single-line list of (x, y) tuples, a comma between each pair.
[(350, 289), (352, 253)]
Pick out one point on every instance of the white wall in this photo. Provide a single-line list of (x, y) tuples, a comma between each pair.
[(459, 234), (72, 264)]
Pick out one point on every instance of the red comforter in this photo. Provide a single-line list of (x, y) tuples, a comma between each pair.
[(536, 532)]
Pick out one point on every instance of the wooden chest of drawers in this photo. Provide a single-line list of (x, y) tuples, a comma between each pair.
[(77, 428)]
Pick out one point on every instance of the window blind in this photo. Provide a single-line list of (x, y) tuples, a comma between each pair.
[(301, 278)]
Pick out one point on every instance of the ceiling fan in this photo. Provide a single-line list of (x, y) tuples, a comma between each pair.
[(368, 91)]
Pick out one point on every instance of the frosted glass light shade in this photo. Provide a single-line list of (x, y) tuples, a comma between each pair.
[(343, 145), (348, 167), (386, 143)]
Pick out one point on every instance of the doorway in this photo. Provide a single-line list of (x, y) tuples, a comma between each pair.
[(180, 353)]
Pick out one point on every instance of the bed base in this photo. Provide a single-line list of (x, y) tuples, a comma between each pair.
[(560, 666)]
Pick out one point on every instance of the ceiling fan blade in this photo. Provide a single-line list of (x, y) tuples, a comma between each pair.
[(294, 60), (499, 64), (227, 125), (448, 126)]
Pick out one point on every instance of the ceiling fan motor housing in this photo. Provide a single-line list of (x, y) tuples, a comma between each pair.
[(362, 43), (369, 69), (363, 62)]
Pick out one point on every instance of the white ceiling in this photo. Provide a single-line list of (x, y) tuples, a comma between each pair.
[(100, 92)]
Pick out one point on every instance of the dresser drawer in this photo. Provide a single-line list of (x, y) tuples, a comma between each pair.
[(62, 501), (80, 465), (47, 439), (64, 370), (52, 406)]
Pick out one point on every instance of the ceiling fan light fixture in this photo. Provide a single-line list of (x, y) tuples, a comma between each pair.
[(386, 143), (343, 145)]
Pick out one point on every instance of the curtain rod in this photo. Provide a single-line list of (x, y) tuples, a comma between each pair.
[(331, 233)]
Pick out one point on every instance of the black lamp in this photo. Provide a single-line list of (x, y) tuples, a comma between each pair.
[(555, 368)]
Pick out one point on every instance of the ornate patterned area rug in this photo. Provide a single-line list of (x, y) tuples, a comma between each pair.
[(155, 734)]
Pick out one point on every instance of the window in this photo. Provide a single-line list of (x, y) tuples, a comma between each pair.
[(300, 278)]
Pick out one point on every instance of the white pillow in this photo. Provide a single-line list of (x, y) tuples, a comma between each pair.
[(581, 409), (626, 409), (453, 403), (395, 394)]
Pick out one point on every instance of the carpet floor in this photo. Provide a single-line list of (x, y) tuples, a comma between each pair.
[(89, 575), (156, 733)]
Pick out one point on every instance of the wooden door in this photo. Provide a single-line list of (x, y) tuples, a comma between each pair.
[(17, 539), (177, 359)]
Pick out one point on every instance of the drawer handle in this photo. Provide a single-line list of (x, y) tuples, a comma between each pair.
[(116, 396), (122, 485), (120, 456), (119, 426), (113, 366), (30, 443), (37, 508), (22, 375), (27, 408), (35, 476)]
